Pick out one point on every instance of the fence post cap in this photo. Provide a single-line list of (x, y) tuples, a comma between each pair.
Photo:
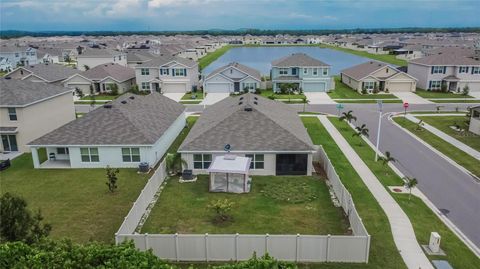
[(267, 234), (298, 235), (236, 234), (206, 234)]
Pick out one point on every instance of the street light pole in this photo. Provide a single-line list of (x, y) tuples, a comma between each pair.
[(380, 105)]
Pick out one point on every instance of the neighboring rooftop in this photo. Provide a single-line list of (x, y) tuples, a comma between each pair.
[(446, 59), (268, 126), (162, 60), (298, 59), (115, 71), (243, 68), (138, 121), (51, 72), (99, 53), (360, 71), (20, 93)]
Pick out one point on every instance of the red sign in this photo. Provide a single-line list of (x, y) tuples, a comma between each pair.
[(405, 105)]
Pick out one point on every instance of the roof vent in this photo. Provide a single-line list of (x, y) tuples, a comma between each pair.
[(107, 106), (240, 103), (8, 78), (123, 102), (241, 98), (132, 97), (256, 98), (247, 108), (255, 103)]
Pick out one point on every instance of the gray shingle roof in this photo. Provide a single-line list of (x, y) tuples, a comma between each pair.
[(141, 121), (248, 70), (298, 59), (51, 72), (162, 60), (270, 126), (19, 93), (446, 59), (360, 71), (87, 53), (116, 71)]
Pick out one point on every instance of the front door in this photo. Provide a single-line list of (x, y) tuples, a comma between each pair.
[(9, 143), (236, 86), (381, 86), (452, 86)]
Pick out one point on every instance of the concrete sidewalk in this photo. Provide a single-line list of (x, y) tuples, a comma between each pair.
[(411, 98), (461, 146), (402, 230)]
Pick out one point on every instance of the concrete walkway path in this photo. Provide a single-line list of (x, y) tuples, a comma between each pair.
[(411, 98), (461, 146), (319, 98), (402, 229), (175, 96), (214, 97), (474, 94)]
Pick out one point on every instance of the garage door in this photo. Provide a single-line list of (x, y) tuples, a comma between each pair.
[(399, 86), (174, 87), (218, 87), (313, 87)]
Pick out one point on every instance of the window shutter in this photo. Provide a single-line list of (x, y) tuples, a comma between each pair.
[(430, 84), (185, 72), (173, 72), (431, 71), (444, 69)]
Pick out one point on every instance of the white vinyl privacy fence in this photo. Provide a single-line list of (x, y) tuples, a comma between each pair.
[(237, 247)]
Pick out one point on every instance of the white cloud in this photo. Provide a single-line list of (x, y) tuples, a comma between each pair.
[(176, 3)]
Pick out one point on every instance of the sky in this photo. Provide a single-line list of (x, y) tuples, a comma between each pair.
[(171, 15)]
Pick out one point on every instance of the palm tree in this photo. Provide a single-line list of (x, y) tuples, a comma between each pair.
[(361, 131), (386, 160), (419, 126), (174, 163), (410, 183), (348, 116)]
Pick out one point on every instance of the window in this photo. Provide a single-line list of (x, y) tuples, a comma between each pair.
[(119, 58), (258, 161), (202, 161), (12, 113), (164, 71), (180, 72), (145, 71), (369, 85), (463, 69), (475, 70), (438, 69), (249, 86), (315, 71), (325, 71), (62, 151), (89, 155), (131, 154), (145, 86), (283, 71), (305, 71), (435, 84), (17, 55)]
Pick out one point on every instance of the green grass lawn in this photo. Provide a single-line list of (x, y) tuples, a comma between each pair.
[(443, 123), (188, 96), (178, 141), (79, 115), (460, 157), (195, 102), (383, 253), (387, 58), (267, 93), (360, 101), (265, 209), (468, 101), (99, 97), (423, 219), (76, 202), (342, 91), (438, 94), (212, 56)]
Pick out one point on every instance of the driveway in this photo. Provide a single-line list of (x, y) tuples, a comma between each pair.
[(212, 98), (175, 96), (474, 94), (411, 98), (319, 98)]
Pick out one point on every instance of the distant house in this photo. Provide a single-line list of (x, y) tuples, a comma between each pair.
[(19, 55), (101, 78), (5, 65), (94, 57), (29, 110), (138, 56), (376, 75), (474, 125), (167, 74), (233, 77), (130, 130), (43, 72), (267, 131), (302, 71), (454, 70)]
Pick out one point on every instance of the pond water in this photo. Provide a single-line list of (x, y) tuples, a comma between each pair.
[(260, 58)]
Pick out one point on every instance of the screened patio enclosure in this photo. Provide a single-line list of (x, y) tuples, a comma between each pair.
[(229, 173)]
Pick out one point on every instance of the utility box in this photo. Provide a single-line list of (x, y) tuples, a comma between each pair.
[(434, 244)]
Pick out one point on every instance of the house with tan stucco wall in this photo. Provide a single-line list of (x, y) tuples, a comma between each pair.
[(29, 110)]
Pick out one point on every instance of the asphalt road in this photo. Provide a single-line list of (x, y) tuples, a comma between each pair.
[(452, 191)]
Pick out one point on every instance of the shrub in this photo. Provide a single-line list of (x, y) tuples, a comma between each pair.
[(114, 89), (364, 91), (222, 209), (112, 177)]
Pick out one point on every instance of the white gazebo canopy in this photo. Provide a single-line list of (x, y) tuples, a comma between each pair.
[(229, 173)]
